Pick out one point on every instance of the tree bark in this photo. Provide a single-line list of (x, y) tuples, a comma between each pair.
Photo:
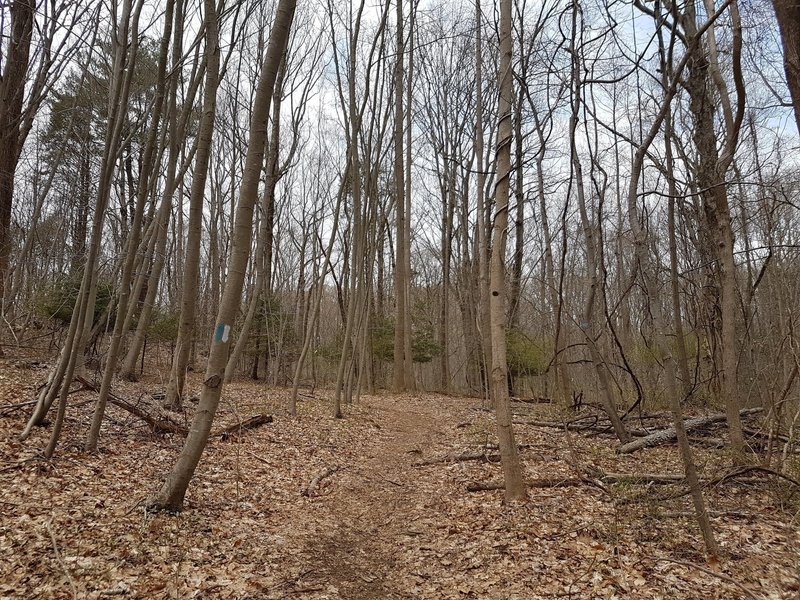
[(515, 490), (191, 271), (174, 489), (788, 15), (12, 96)]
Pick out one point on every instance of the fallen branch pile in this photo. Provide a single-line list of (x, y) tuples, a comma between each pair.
[(669, 435), (159, 420)]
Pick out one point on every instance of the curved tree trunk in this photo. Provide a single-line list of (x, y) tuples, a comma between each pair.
[(134, 235)]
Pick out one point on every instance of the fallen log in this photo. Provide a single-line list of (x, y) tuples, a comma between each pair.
[(311, 489), (539, 400), (549, 482), (159, 423), (251, 423), (642, 478), (157, 418), (669, 435), (575, 425), (9, 408), (458, 457)]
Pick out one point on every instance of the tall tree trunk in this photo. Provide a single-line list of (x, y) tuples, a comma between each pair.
[(408, 366), (155, 255), (515, 293), (711, 169), (448, 207), (649, 272), (591, 232), (515, 490), (174, 489), (788, 15), (191, 271), (145, 175), (12, 96), (481, 250), (125, 44), (560, 364), (264, 245), (400, 275)]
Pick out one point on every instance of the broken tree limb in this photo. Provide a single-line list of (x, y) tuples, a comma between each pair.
[(458, 457), (313, 487), (159, 420), (250, 423), (548, 482), (669, 435), (539, 400)]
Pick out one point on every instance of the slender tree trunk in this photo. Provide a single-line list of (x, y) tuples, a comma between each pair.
[(134, 234), (125, 46), (560, 365), (400, 281), (649, 274), (263, 285), (448, 207), (515, 293), (593, 242), (314, 313), (515, 489), (481, 250), (156, 249), (174, 489), (408, 356), (710, 172), (191, 271)]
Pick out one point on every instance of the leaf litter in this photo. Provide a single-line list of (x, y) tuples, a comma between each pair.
[(377, 524)]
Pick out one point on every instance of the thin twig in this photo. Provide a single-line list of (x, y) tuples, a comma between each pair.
[(722, 576), (59, 559)]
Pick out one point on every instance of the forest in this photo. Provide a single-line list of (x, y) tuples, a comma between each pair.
[(399, 299)]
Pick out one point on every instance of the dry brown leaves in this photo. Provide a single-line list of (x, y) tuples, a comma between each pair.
[(377, 527)]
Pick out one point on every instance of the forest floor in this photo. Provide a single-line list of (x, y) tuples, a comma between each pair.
[(379, 525)]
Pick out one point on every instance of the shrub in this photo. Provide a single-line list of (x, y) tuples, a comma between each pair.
[(57, 301), (164, 325), (423, 346), (525, 356)]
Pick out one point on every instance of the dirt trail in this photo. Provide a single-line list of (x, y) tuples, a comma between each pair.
[(378, 528), (380, 508)]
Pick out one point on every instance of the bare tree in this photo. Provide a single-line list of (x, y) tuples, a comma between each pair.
[(191, 262), (788, 15), (174, 489), (512, 470)]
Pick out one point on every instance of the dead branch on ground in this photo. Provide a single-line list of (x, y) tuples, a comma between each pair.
[(669, 435), (249, 423), (312, 488)]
